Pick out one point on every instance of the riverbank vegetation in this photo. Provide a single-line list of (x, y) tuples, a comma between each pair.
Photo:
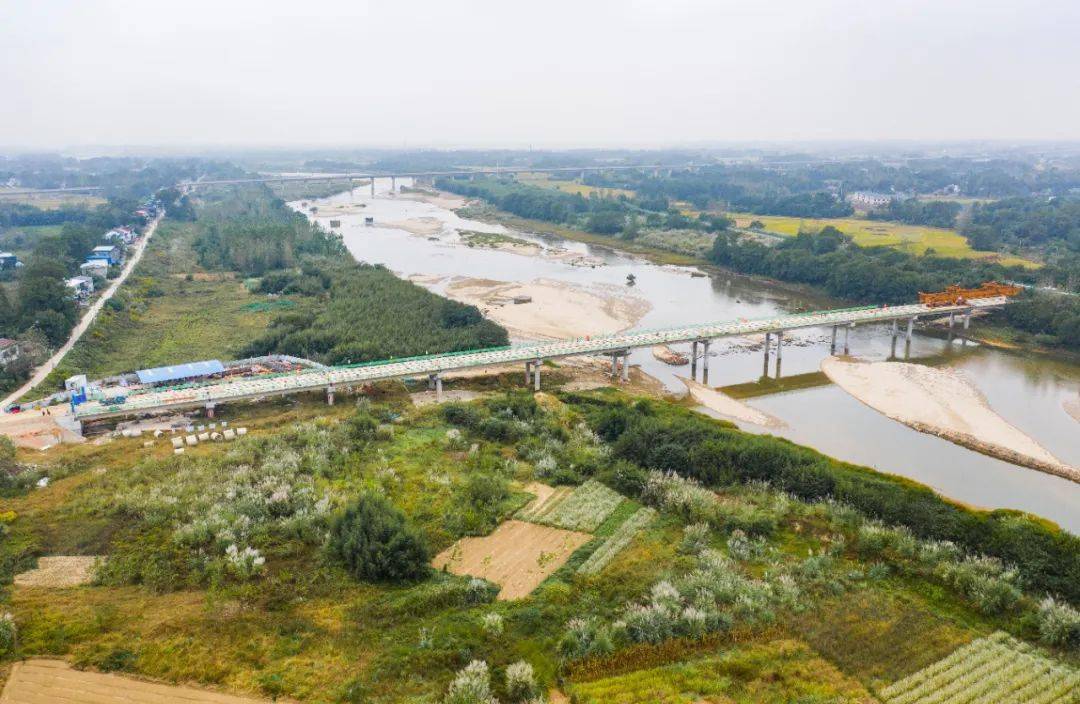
[(248, 276), (245, 565)]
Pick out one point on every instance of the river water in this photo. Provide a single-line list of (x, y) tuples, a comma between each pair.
[(1028, 392)]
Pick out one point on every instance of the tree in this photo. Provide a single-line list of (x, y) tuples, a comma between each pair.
[(374, 542)]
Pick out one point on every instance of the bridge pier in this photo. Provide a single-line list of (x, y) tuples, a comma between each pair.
[(705, 362), (330, 395), (393, 184), (528, 372), (536, 375), (765, 364), (832, 344), (895, 332), (847, 348), (626, 366), (372, 186), (779, 351), (910, 330), (438, 388), (210, 409), (693, 360)]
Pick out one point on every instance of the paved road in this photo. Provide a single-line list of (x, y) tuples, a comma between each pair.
[(88, 318)]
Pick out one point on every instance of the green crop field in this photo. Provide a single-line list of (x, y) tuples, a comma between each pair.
[(913, 239), (544, 180)]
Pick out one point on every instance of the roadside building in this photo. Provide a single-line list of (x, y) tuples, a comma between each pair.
[(81, 287), (94, 267), (110, 253), (9, 350), (180, 372), (9, 261)]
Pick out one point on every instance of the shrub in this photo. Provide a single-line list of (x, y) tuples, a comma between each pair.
[(492, 623), (8, 635), (462, 415), (695, 538), (245, 563), (374, 542), (1059, 623), (472, 685), (521, 684)]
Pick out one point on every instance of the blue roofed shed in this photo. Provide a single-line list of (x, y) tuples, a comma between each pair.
[(160, 375)]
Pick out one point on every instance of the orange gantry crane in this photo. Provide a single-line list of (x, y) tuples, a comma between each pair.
[(955, 295)]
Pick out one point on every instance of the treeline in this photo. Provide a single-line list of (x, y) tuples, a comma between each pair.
[(671, 439), (934, 213), (830, 260), (350, 313), (600, 215), (1052, 318), (1025, 222)]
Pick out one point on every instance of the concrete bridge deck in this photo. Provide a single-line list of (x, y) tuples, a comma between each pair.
[(211, 393)]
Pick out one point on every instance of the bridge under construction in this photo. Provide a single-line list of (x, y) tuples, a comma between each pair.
[(212, 393)]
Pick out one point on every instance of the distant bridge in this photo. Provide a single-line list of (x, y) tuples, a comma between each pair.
[(365, 176), (210, 394)]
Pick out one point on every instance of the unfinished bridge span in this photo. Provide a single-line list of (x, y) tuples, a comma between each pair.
[(214, 392)]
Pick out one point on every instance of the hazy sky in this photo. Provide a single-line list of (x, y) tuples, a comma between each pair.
[(541, 73)]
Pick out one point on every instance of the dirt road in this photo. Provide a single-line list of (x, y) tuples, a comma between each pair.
[(88, 318)]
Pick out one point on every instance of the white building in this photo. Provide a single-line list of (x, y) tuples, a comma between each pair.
[(869, 199), (95, 267)]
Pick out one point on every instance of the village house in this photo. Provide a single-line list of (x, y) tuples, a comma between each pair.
[(81, 287)]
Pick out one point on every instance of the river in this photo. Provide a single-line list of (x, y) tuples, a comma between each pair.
[(1028, 392)]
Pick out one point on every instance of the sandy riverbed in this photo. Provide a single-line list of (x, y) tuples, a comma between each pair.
[(729, 407), (558, 310), (440, 199), (943, 403)]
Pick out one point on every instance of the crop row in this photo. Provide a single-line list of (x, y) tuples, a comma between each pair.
[(617, 541), (536, 508), (997, 669), (583, 509)]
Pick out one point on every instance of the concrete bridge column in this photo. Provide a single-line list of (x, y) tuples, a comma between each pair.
[(779, 351), (528, 372), (614, 365), (438, 388), (705, 362), (393, 184), (832, 344), (693, 360), (765, 365), (967, 319), (626, 366), (536, 375), (330, 395), (847, 347), (910, 329), (895, 332), (372, 186), (210, 409)]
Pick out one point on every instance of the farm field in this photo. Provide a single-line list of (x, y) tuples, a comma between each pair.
[(543, 180), (50, 201), (517, 556), (217, 572), (997, 668), (913, 239)]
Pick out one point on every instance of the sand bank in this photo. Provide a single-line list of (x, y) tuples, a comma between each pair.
[(424, 226), (558, 310), (943, 403), (729, 407), (1072, 407), (439, 199)]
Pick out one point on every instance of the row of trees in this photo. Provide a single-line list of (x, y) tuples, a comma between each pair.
[(935, 213), (1025, 222)]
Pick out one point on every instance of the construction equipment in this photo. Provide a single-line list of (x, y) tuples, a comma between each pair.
[(957, 296)]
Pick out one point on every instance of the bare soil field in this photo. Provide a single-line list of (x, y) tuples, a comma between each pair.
[(943, 403), (517, 556), (59, 571), (40, 681), (32, 430)]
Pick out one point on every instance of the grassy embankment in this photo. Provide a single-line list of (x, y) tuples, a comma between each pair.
[(856, 615), (544, 180)]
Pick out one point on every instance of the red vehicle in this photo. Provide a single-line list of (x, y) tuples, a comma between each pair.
[(13, 408)]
